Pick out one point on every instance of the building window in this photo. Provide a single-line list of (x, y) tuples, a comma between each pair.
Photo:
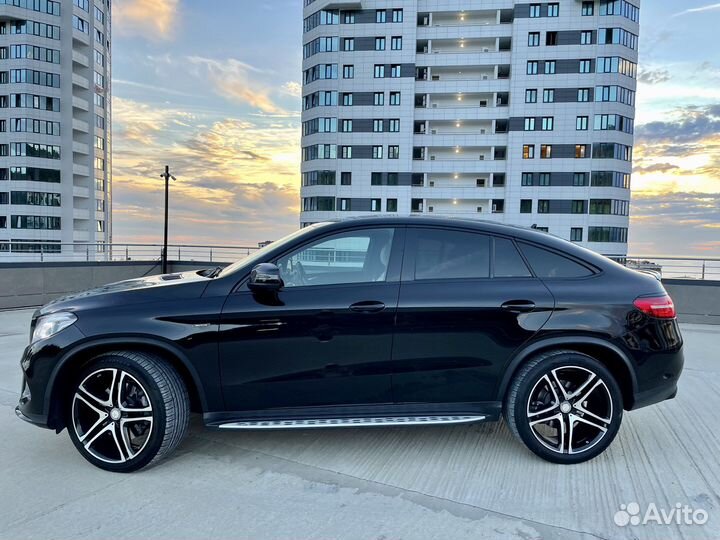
[(379, 71), (396, 71), (528, 151), (581, 123), (527, 179), (550, 66), (349, 72), (345, 178), (578, 207), (380, 16), (346, 126), (394, 98), (586, 37), (576, 234), (534, 39), (396, 43), (393, 152), (375, 205), (529, 124), (377, 152), (378, 126), (376, 179), (347, 99), (532, 67), (546, 151), (394, 126), (553, 10), (531, 96), (583, 95), (346, 152), (544, 179), (585, 66), (548, 123), (581, 151), (534, 11), (588, 9), (526, 206), (549, 95), (580, 179), (379, 98), (344, 205), (379, 43), (392, 205), (349, 17), (551, 39), (397, 15), (392, 179), (543, 207)]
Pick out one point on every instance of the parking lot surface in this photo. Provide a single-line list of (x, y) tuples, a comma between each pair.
[(450, 483)]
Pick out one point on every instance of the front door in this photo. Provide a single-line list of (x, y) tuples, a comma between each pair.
[(325, 339), (467, 301)]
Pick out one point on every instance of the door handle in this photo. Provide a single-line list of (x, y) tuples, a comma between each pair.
[(368, 306), (519, 306)]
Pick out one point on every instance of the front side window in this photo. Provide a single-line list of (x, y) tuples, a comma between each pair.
[(443, 254), (351, 257)]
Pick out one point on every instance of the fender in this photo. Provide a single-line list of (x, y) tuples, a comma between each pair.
[(531, 348), (123, 340)]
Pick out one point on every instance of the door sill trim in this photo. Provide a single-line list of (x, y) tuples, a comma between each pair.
[(353, 422)]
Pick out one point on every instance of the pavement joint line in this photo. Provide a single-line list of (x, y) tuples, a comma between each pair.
[(414, 495)]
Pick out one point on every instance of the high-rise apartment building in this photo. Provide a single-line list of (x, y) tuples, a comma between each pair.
[(55, 118), (484, 109)]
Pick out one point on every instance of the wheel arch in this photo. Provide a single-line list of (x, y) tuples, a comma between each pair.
[(610, 355), (75, 359)]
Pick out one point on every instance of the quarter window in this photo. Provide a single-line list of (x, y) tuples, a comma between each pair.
[(548, 264), (508, 263)]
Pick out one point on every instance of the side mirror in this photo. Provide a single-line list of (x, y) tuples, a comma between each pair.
[(265, 277)]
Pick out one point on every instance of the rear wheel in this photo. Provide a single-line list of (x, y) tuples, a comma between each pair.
[(565, 406), (128, 410)]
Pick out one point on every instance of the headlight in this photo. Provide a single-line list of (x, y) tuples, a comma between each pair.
[(49, 325)]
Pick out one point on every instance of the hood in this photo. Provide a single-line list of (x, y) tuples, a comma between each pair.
[(165, 287)]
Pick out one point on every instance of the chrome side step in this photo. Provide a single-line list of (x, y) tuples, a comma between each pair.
[(352, 422)]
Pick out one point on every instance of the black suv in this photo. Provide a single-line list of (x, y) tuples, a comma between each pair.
[(368, 322)]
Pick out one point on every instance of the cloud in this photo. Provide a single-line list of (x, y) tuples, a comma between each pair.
[(150, 18), (701, 9), (292, 88), (232, 79), (656, 167), (686, 124), (654, 76)]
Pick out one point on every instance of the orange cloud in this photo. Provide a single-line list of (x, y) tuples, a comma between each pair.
[(151, 18)]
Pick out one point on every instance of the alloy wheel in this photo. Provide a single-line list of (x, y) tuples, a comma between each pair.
[(112, 415), (570, 410)]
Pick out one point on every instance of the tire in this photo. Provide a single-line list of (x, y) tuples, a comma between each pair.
[(540, 412), (140, 426)]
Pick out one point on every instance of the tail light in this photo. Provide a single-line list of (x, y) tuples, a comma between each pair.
[(660, 307)]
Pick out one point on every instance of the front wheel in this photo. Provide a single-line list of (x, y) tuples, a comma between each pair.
[(565, 406), (128, 410)]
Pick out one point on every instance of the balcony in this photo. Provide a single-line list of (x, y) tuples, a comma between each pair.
[(80, 58), (79, 80), (80, 125), (80, 103), (458, 46), (459, 19), (81, 170), (81, 148)]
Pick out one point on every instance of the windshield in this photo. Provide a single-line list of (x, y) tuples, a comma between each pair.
[(262, 252)]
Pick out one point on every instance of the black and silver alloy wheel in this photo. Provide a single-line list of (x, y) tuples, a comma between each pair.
[(565, 406), (112, 415), (127, 410)]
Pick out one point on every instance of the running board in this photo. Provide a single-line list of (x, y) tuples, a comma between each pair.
[(353, 422)]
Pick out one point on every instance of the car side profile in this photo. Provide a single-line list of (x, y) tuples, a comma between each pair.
[(365, 322)]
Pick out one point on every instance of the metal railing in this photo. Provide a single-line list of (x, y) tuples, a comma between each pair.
[(88, 252), (669, 267)]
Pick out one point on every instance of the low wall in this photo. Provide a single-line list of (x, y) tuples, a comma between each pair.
[(34, 284)]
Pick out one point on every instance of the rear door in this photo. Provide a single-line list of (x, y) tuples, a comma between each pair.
[(467, 301)]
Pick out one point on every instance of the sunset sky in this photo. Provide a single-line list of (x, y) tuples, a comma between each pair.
[(212, 88)]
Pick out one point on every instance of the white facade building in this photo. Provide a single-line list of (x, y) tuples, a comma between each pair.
[(516, 112), (55, 125)]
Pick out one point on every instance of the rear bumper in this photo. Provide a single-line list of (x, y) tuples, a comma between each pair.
[(658, 378)]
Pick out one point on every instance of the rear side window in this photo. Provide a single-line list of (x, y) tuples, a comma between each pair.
[(442, 254), (547, 264), (508, 262)]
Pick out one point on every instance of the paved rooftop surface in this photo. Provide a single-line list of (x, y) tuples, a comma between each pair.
[(451, 483)]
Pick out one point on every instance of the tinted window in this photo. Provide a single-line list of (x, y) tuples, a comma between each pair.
[(451, 255), (351, 257), (547, 264), (508, 262)]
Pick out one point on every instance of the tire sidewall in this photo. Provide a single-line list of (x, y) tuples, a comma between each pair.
[(529, 382), (156, 400)]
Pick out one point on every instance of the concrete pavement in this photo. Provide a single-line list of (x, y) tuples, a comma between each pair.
[(458, 482)]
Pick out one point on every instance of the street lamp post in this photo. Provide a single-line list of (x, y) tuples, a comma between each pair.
[(167, 176)]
